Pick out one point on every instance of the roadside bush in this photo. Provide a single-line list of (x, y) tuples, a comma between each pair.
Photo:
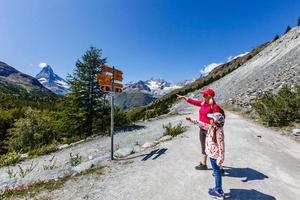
[(30, 132), (75, 160), (46, 149), (9, 159), (174, 130), (280, 109)]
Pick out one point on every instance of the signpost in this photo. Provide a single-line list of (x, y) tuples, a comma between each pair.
[(107, 84)]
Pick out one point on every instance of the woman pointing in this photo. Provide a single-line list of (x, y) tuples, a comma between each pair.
[(207, 105)]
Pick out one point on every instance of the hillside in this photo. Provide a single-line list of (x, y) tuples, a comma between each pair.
[(276, 65), (133, 98), (242, 80), (13, 81)]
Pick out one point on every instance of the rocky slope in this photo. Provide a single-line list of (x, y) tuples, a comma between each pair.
[(14, 81), (277, 64)]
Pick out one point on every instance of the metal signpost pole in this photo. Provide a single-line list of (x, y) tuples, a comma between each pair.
[(112, 115)]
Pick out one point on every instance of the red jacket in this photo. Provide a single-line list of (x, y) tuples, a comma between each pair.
[(205, 108)]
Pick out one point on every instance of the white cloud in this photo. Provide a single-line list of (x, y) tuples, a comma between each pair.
[(42, 65), (208, 68), (230, 58)]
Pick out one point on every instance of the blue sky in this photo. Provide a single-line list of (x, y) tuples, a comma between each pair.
[(171, 39)]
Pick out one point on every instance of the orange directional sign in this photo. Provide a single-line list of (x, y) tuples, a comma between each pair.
[(104, 78), (106, 88), (110, 70), (106, 81), (118, 77)]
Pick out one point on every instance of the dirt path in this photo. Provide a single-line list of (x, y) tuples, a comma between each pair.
[(261, 164)]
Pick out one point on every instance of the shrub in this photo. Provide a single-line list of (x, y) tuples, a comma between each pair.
[(280, 109), (174, 130), (31, 131), (75, 160), (276, 38), (43, 150), (9, 159), (288, 28)]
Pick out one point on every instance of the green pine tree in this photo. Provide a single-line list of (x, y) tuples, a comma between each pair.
[(288, 28), (276, 38), (85, 90), (298, 22)]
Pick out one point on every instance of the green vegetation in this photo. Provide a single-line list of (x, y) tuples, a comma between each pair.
[(276, 38), (280, 109), (75, 159), (298, 21), (174, 130), (46, 149), (51, 185), (36, 124), (10, 159), (288, 28)]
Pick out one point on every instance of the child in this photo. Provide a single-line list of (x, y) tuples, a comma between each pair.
[(214, 148)]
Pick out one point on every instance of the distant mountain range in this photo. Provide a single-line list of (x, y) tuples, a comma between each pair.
[(155, 87), (141, 93), (13, 81), (52, 81)]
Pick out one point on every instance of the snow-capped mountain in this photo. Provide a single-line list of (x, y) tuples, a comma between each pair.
[(52, 81), (156, 87), (141, 93)]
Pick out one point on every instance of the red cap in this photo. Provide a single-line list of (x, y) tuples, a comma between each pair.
[(209, 91)]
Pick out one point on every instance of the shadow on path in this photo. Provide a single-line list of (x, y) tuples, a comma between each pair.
[(129, 128), (247, 173), (243, 194), (156, 152)]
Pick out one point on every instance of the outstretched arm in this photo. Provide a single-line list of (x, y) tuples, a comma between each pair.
[(202, 125), (194, 102), (190, 100)]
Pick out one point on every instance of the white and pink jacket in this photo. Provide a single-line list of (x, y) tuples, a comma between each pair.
[(212, 149)]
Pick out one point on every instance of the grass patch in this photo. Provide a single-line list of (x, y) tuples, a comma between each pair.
[(43, 150), (174, 130), (94, 170), (50, 185), (10, 159)]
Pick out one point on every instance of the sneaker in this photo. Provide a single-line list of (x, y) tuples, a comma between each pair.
[(221, 192), (216, 194), (201, 167)]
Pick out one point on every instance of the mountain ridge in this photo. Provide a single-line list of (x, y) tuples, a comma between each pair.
[(52, 81)]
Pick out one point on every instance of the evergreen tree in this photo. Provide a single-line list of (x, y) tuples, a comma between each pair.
[(276, 37), (288, 28), (298, 22), (85, 91)]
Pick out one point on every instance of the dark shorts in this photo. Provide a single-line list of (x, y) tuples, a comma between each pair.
[(202, 137)]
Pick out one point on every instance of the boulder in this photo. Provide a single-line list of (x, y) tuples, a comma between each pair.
[(123, 152), (296, 131), (137, 148)]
